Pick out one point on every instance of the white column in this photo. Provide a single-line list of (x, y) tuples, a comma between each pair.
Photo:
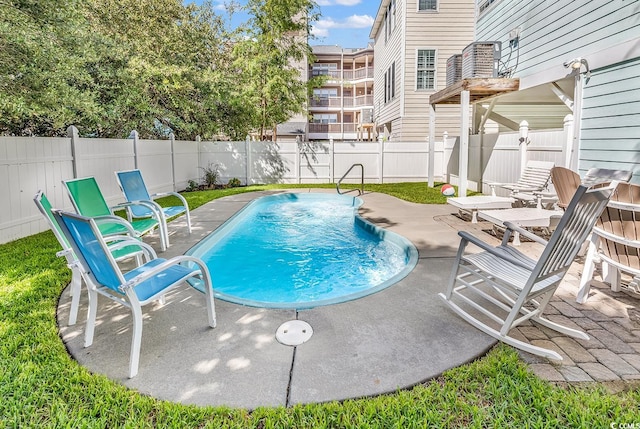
[(432, 142), (569, 139), (524, 142), (463, 164)]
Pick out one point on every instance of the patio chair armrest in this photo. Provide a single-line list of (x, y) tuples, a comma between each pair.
[(116, 242), (167, 194), (528, 234), (491, 249), (102, 220), (493, 186), (202, 268), (151, 205), (517, 188), (64, 252)]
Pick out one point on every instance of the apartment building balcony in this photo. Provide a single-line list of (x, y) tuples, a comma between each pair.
[(342, 102), (347, 75), (336, 131)]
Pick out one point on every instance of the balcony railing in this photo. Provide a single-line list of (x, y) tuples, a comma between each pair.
[(348, 101), (347, 127), (347, 74)]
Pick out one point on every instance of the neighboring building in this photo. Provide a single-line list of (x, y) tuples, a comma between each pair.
[(579, 58), (413, 41), (343, 106)]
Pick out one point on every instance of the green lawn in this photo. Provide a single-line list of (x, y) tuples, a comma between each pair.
[(41, 386)]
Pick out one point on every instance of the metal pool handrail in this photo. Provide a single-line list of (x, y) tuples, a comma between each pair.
[(361, 190)]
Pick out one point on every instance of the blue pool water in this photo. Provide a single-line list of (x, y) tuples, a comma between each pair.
[(302, 251)]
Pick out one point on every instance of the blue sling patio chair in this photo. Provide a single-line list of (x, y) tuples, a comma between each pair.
[(135, 191), (499, 287), (87, 199), (135, 288), (121, 253)]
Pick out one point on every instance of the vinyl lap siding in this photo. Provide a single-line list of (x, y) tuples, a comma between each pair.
[(385, 54), (553, 32), (610, 126), (447, 32)]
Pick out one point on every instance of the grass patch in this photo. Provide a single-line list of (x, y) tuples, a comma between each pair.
[(41, 386)]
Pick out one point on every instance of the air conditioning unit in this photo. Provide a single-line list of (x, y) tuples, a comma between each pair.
[(481, 59), (366, 116), (454, 69)]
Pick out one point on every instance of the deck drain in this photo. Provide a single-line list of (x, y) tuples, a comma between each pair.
[(294, 333)]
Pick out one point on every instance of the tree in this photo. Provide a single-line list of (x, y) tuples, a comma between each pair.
[(44, 86), (272, 57)]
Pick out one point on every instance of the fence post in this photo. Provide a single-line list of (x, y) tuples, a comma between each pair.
[(381, 157), (524, 141), (298, 162), (172, 138), (73, 133), (246, 160), (569, 141), (332, 160), (134, 135), (198, 141)]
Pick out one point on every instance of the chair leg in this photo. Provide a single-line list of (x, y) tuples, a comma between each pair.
[(611, 275), (188, 215), (91, 317), (587, 272), (454, 272), (211, 308), (136, 339), (75, 291), (530, 348)]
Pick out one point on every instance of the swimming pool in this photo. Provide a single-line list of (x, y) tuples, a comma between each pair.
[(302, 251)]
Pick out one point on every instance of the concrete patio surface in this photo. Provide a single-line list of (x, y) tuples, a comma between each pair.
[(390, 340)]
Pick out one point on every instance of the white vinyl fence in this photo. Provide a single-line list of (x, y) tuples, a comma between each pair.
[(29, 164)]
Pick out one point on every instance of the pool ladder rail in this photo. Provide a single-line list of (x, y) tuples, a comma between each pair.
[(361, 190)]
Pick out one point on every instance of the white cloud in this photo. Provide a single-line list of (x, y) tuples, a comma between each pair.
[(321, 27), (358, 21), (354, 21)]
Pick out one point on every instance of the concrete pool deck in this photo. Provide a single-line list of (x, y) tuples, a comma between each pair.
[(390, 340)]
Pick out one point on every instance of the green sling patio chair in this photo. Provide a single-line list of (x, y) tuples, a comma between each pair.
[(87, 199), (135, 191), (499, 287), (135, 288), (44, 206)]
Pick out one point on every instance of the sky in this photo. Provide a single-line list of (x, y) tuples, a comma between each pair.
[(346, 23)]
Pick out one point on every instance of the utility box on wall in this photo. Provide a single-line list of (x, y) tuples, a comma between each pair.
[(481, 59), (454, 69)]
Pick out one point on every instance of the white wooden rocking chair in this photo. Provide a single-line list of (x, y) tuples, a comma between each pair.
[(503, 287)]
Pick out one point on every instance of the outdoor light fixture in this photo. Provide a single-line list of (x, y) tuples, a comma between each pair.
[(577, 63)]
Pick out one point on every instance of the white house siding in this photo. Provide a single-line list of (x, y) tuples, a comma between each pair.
[(386, 52), (610, 131), (447, 31)]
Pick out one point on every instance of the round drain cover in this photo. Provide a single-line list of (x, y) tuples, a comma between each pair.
[(294, 333)]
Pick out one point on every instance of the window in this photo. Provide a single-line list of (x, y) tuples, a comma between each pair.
[(427, 4), (325, 118), (390, 83), (324, 69), (426, 69), (325, 92), (389, 19)]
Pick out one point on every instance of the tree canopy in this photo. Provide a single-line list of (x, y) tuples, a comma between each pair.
[(157, 66)]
